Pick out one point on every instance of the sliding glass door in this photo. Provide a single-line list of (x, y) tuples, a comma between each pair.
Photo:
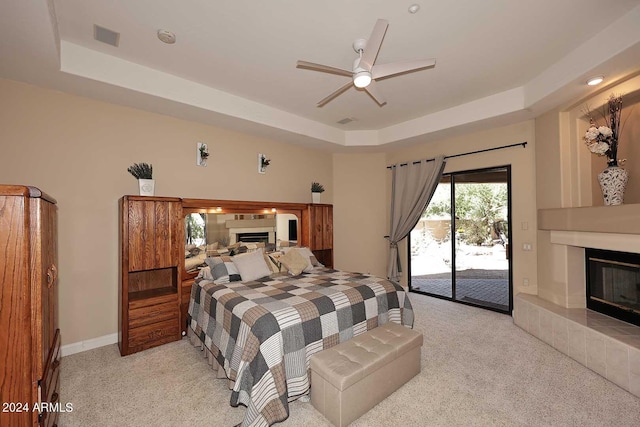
[(459, 250)]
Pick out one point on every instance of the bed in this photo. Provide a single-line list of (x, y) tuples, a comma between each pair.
[(262, 333)]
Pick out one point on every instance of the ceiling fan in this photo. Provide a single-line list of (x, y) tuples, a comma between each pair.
[(365, 72)]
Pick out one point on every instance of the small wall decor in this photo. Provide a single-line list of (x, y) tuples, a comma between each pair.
[(143, 172), (263, 162), (203, 154)]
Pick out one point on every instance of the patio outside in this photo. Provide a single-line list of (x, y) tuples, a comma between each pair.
[(481, 237)]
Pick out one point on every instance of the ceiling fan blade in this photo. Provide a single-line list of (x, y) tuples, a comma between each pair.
[(386, 70), (373, 90), (334, 94), (373, 44), (323, 68)]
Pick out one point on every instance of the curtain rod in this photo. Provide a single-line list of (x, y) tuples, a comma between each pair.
[(524, 144)]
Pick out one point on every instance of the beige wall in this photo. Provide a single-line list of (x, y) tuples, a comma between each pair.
[(548, 170), (360, 213), (523, 184), (78, 150)]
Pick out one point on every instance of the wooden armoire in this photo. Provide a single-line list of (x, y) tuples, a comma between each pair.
[(29, 334)]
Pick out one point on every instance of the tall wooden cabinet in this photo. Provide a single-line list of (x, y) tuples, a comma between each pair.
[(29, 334), (151, 236), (321, 232)]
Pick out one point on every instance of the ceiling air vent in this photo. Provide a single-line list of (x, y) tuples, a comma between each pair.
[(105, 35), (346, 120)]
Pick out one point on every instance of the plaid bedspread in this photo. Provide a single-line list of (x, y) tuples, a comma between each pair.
[(264, 332)]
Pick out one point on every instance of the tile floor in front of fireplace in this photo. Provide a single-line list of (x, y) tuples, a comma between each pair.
[(603, 344)]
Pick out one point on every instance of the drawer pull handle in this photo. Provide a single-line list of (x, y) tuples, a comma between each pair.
[(52, 274), (54, 397)]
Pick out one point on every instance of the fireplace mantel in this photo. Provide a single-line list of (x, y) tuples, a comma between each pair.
[(615, 228), (607, 241), (565, 234), (621, 219)]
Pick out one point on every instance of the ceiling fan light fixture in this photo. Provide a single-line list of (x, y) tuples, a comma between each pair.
[(362, 79)]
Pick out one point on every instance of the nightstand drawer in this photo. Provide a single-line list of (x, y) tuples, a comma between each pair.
[(155, 334), (152, 314)]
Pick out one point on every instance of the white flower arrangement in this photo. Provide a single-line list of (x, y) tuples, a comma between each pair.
[(597, 139), (603, 140)]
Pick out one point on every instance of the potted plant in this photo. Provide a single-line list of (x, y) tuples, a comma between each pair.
[(143, 172), (316, 190)]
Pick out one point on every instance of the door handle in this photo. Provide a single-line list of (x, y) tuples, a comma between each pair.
[(52, 275)]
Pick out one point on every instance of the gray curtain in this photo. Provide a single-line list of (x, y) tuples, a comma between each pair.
[(412, 187)]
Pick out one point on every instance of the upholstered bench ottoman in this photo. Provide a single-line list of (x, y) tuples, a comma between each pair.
[(349, 379)]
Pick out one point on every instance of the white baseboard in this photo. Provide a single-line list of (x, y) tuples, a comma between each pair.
[(79, 347)]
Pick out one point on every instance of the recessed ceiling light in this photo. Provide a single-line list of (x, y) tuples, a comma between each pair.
[(595, 80), (414, 8), (166, 36)]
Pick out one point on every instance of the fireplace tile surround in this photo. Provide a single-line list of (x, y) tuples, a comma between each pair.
[(558, 315), (603, 344)]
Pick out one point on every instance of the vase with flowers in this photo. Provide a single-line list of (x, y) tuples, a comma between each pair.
[(603, 141)]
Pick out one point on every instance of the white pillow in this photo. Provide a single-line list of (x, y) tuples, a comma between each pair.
[(251, 265)]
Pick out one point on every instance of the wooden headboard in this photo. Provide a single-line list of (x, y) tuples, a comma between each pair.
[(315, 221)]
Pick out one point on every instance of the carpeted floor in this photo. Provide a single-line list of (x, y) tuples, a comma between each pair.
[(478, 369)]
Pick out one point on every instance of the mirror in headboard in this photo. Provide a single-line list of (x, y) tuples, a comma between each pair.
[(218, 227)]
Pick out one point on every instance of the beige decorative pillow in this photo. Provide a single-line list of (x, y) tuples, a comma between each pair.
[(284, 243), (293, 262), (213, 246), (308, 255), (251, 265), (252, 246)]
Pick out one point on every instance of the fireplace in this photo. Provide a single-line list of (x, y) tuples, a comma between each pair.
[(253, 237), (613, 284)]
